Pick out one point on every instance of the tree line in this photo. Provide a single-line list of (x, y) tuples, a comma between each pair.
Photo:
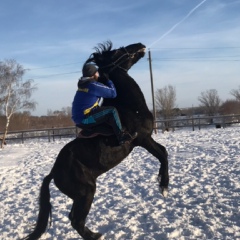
[(209, 102)]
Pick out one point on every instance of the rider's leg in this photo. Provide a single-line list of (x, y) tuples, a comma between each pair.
[(110, 116)]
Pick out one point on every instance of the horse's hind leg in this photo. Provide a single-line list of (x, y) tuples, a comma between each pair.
[(80, 209)]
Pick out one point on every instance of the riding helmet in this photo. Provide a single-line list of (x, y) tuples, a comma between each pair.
[(89, 70)]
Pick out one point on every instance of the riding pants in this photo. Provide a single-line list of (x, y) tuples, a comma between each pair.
[(102, 115)]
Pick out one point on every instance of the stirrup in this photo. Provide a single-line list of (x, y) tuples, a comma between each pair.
[(128, 141)]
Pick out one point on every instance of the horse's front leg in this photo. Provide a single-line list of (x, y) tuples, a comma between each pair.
[(160, 152)]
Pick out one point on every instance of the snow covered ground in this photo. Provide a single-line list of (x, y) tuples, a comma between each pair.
[(203, 200)]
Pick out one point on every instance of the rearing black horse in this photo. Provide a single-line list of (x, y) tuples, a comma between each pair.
[(81, 161)]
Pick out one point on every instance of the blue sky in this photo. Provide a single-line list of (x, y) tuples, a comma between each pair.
[(53, 38)]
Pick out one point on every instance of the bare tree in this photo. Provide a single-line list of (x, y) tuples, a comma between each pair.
[(15, 93), (230, 106), (166, 100), (60, 118), (65, 111), (210, 101), (236, 93)]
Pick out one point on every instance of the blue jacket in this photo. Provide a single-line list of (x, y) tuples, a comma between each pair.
[(88, 96)]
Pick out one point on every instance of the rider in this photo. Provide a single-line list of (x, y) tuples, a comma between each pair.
[(87, 111)]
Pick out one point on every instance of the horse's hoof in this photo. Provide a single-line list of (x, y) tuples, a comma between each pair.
[(101, 238), (98, 236), (164, 191)]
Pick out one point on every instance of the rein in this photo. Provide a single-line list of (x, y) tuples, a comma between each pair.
[(115, 65)]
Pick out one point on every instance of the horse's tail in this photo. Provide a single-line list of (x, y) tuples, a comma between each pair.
[(44, 210)]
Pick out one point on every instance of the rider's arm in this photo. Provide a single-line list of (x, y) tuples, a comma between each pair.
[(101, 90)]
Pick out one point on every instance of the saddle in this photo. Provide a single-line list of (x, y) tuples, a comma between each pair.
[(102, 129)]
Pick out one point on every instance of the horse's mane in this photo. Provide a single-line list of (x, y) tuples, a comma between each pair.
[(100, 49), (103, 47)]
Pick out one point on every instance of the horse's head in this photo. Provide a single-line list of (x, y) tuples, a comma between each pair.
[(123, 58)]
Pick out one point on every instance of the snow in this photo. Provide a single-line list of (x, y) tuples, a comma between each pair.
[(203, 200)]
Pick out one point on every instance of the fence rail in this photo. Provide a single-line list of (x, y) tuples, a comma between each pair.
[(193, 122), (196, 122), (48, 133)]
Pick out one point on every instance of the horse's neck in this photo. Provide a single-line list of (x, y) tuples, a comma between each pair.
[(129, 93)]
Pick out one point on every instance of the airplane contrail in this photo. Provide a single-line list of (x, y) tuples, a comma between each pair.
[(172, 28)]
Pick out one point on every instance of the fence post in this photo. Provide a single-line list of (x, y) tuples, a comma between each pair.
[(49, 140), (53, 137), (76, 131)]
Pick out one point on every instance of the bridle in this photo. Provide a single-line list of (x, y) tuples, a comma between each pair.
[(118, 62)]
